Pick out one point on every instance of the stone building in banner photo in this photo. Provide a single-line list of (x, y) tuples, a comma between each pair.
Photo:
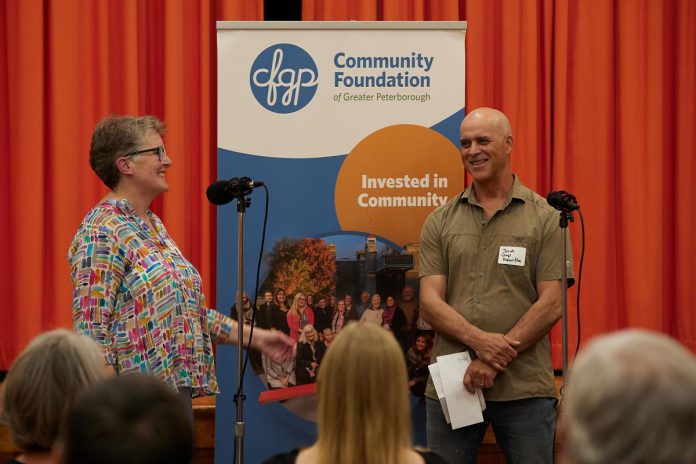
[(385, 272)]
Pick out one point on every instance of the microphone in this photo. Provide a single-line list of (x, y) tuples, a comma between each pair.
[(224, 191), (562, 201)]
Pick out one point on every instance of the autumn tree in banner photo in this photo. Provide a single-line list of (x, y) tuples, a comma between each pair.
[(307, 264)]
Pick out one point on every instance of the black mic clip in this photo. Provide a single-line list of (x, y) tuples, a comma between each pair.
[(562, 201), (565, 203), (241, 186)]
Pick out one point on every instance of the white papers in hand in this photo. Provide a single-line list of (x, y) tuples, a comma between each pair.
[(463, 408), (435, 374)]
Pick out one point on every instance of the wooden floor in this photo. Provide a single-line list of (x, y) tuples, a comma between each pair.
[(204, 417)]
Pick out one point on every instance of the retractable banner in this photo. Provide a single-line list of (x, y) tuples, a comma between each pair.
[(354, 129)]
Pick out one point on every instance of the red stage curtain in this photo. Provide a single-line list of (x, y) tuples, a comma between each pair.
[(602, 99), (64, 64)]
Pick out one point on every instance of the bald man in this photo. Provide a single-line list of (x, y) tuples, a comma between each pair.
[(490, 285)]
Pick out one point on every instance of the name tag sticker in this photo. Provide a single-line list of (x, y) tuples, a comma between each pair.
[(513, 256)]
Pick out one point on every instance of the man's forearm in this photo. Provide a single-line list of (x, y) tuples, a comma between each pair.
[(440, 315), (447, 321), (539, 318)]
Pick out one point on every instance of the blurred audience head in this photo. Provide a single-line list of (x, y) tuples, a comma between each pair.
[(631, 399), (363, 413), (42, 384), (131, 419)]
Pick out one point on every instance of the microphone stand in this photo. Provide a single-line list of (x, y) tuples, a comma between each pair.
[(566, 215), (242, 204)]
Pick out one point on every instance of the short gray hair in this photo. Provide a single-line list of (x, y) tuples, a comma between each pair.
[(42, 383), (114, 136), (632, 399)]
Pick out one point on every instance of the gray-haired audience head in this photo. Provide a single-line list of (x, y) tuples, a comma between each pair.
[(130, 419), (43, 382), (631, 399)]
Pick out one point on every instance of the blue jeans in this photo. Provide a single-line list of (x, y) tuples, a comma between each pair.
[(524, 430)]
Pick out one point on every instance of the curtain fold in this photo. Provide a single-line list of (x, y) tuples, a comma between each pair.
[(65, 65), (623, 99)]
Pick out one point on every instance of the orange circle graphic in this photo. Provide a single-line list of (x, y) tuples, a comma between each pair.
[(394, 178)]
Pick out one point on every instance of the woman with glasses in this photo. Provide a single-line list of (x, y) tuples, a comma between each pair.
[(299, 316), (134, 292)]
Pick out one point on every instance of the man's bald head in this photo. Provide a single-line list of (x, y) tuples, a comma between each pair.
[(492, 117)]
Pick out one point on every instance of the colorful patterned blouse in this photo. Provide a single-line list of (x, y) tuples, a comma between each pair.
[(141, 300)]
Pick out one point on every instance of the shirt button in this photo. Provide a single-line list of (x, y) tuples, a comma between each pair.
[(480, 274), (483, 247), (478, 301), (483, 222)]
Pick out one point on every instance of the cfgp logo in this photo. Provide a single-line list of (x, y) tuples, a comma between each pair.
[(284, 78)]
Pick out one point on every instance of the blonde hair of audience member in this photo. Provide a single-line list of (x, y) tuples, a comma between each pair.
[(631, 399), (363, 414), (43, 382)]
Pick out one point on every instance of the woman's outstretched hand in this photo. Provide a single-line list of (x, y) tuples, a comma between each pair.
[(274, 344)]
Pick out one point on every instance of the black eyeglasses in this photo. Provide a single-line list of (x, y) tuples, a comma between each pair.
[(159, 151)]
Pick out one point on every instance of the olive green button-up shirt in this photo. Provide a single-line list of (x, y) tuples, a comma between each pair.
[(492, 268)]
